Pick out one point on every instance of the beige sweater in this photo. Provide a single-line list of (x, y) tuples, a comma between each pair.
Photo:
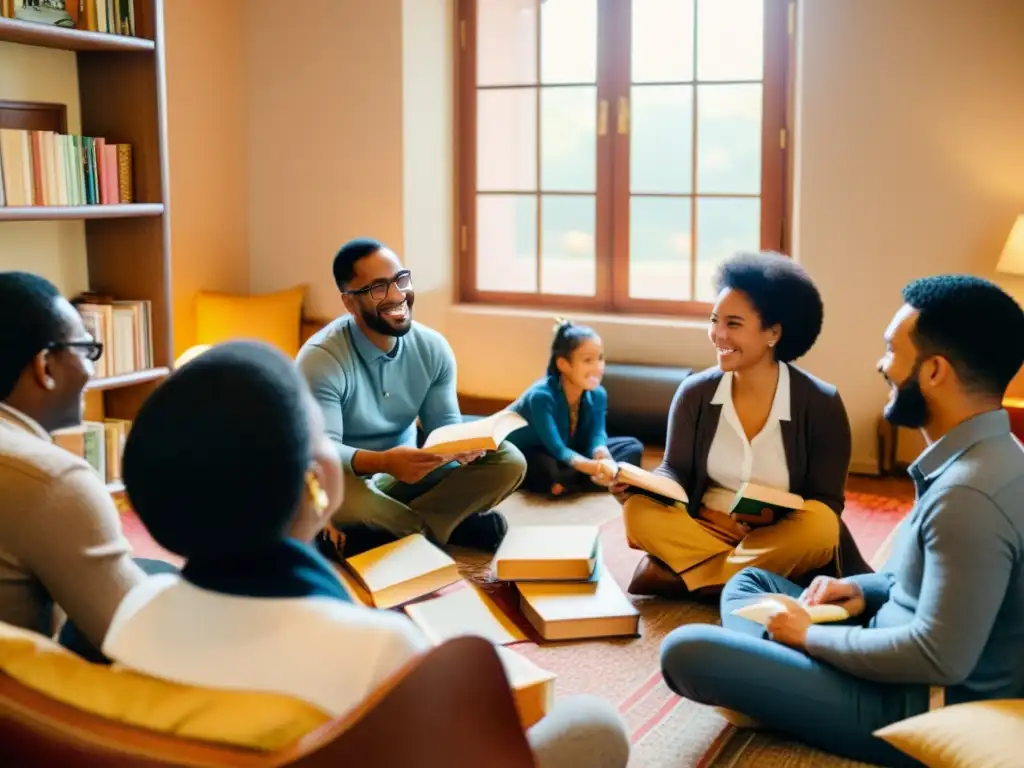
[(60, 535)]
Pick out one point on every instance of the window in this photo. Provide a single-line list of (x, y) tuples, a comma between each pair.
[(612, 153)]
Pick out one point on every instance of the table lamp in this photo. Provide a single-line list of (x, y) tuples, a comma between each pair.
[(191, 354), (1012, 260)]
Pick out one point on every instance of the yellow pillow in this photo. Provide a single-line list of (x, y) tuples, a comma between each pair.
[(275, 318), (980, 733), (265, 721)]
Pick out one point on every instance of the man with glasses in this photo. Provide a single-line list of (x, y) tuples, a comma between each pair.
[(374, 372), (61, 541)]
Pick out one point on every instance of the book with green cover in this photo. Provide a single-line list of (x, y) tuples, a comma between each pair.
[(758, 505)]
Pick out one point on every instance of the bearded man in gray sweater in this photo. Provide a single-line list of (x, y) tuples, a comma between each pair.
[(943, 621)]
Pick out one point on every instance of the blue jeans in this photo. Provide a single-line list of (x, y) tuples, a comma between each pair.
[(737, 667)]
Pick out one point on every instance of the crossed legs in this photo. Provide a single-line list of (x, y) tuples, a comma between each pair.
[(736, 667), (439, 502)]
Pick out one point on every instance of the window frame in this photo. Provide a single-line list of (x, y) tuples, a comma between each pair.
[(611, 234)]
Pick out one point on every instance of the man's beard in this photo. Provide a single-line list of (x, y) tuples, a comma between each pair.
[(376, 322), (909, 408)]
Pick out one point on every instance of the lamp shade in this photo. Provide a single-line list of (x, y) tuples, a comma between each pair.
[(191, 354), (1012, 260)]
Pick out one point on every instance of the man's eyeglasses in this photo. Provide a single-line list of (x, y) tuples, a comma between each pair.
[(379, 290), (91, 349)]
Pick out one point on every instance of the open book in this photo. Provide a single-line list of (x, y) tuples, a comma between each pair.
[(758, 505), (481, 435), (400, 571), (659, 487), (762, 609), (466, 611)]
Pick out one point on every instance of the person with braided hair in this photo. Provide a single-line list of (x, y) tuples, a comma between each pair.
[(566, 445)]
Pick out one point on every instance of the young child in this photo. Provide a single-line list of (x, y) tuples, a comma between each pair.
[(566, 444)]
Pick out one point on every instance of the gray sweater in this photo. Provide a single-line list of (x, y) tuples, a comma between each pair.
[(948, 607)]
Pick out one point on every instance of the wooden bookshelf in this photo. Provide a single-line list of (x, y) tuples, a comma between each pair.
[(127, 379), (122, 95), (64, 212), (46, 36)]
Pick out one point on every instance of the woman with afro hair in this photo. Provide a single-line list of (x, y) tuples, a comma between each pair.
[(753, 418)]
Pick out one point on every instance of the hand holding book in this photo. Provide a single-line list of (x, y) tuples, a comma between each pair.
[(826, 590), (410, 465), (601, 471), (633, 479)]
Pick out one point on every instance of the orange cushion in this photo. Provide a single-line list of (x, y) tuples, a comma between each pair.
[(254, 720), (981, 733), (274, 318)]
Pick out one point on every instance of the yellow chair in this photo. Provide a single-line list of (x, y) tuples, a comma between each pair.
[(57, 709)]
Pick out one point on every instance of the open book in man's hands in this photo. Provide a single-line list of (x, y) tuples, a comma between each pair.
[(658, 487), (764, 608), (481, 435), (758, 505)]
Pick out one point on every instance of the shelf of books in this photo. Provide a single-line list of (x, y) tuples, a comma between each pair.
[(111, 173), (76, 25)]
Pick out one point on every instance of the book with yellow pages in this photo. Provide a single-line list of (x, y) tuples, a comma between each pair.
[(576, 610), (402, 570), (466, 611), (533, 688), (658, 487), (758, 505), (547, 553), (762, 609), (481, 435)]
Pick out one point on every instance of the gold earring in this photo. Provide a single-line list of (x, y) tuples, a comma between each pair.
[(316, 493)]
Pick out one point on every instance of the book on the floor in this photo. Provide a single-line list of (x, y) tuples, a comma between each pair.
[(577, 610), (762, 609), (758, 505), (533, 688), (481, 435), (547, 553), (658, 487), (400, 571), (466, 611), (355, 590)]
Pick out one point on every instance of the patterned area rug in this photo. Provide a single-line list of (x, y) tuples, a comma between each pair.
[(665, 729)]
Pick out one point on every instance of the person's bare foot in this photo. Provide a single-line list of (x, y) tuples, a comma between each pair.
[(557, 489)]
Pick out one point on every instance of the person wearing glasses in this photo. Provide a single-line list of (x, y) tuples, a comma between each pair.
[(61, 542), (375, 372)]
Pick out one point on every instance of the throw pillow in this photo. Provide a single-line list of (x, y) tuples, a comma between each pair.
[(962, 735), (275, 318)]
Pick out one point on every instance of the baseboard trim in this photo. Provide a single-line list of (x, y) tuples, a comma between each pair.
[(860, 467)]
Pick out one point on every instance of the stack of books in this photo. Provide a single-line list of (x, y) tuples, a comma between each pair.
[(100, 443), (396, 574), (564, 592), (125, 328)]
